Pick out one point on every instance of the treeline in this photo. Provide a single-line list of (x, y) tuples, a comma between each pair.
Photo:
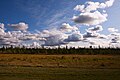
[(66, 50)]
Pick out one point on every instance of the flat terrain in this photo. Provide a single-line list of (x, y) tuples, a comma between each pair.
[(59, 67), (36, 73)]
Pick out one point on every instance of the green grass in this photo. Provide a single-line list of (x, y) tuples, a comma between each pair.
[(37, 73), (59, 67)]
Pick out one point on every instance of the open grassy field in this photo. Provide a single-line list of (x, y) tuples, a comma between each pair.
[(59, 67), (37, 73), (65, 61)]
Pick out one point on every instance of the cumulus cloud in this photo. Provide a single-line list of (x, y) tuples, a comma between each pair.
[(115, 39), (59, 36), (95, 29), (55, 37), (93, 32), (9, 39), (112, 30), (94, 14), (45, 32), (109, 3), (54, 40), (2, 32), (1, 25), (74, 37), (92, 6), (88, 18), (114, 35), (100, 42), (90, 15), (20, 26), (67, 28)]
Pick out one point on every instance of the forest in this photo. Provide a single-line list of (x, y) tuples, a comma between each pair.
[(59, 50)]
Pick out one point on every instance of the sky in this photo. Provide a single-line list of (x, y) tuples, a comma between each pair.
[(36, 23)]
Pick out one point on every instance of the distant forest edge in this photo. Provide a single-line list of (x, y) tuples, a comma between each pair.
[(65, 50)]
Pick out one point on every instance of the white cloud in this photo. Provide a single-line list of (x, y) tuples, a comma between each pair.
[(45, 32), (114, 36), (67, 28), (79, 8), (54, 40), (115, 39), (99, 42), (53, 37), (20, 26), (95, 29), (2, 32), (74, 37), (109, 3), (90, 13), (112, 30), (93, 6), (91, 34), (9, 39), (94, 18), (1, 25)]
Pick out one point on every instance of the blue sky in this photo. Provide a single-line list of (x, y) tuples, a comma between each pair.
[(37, 13), (40, 14), (113, 16), (50, 15)]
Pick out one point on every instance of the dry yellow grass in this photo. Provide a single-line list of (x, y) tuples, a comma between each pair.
[(68, 61)]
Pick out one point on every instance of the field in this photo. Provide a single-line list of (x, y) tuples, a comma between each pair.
[(59, 67)]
